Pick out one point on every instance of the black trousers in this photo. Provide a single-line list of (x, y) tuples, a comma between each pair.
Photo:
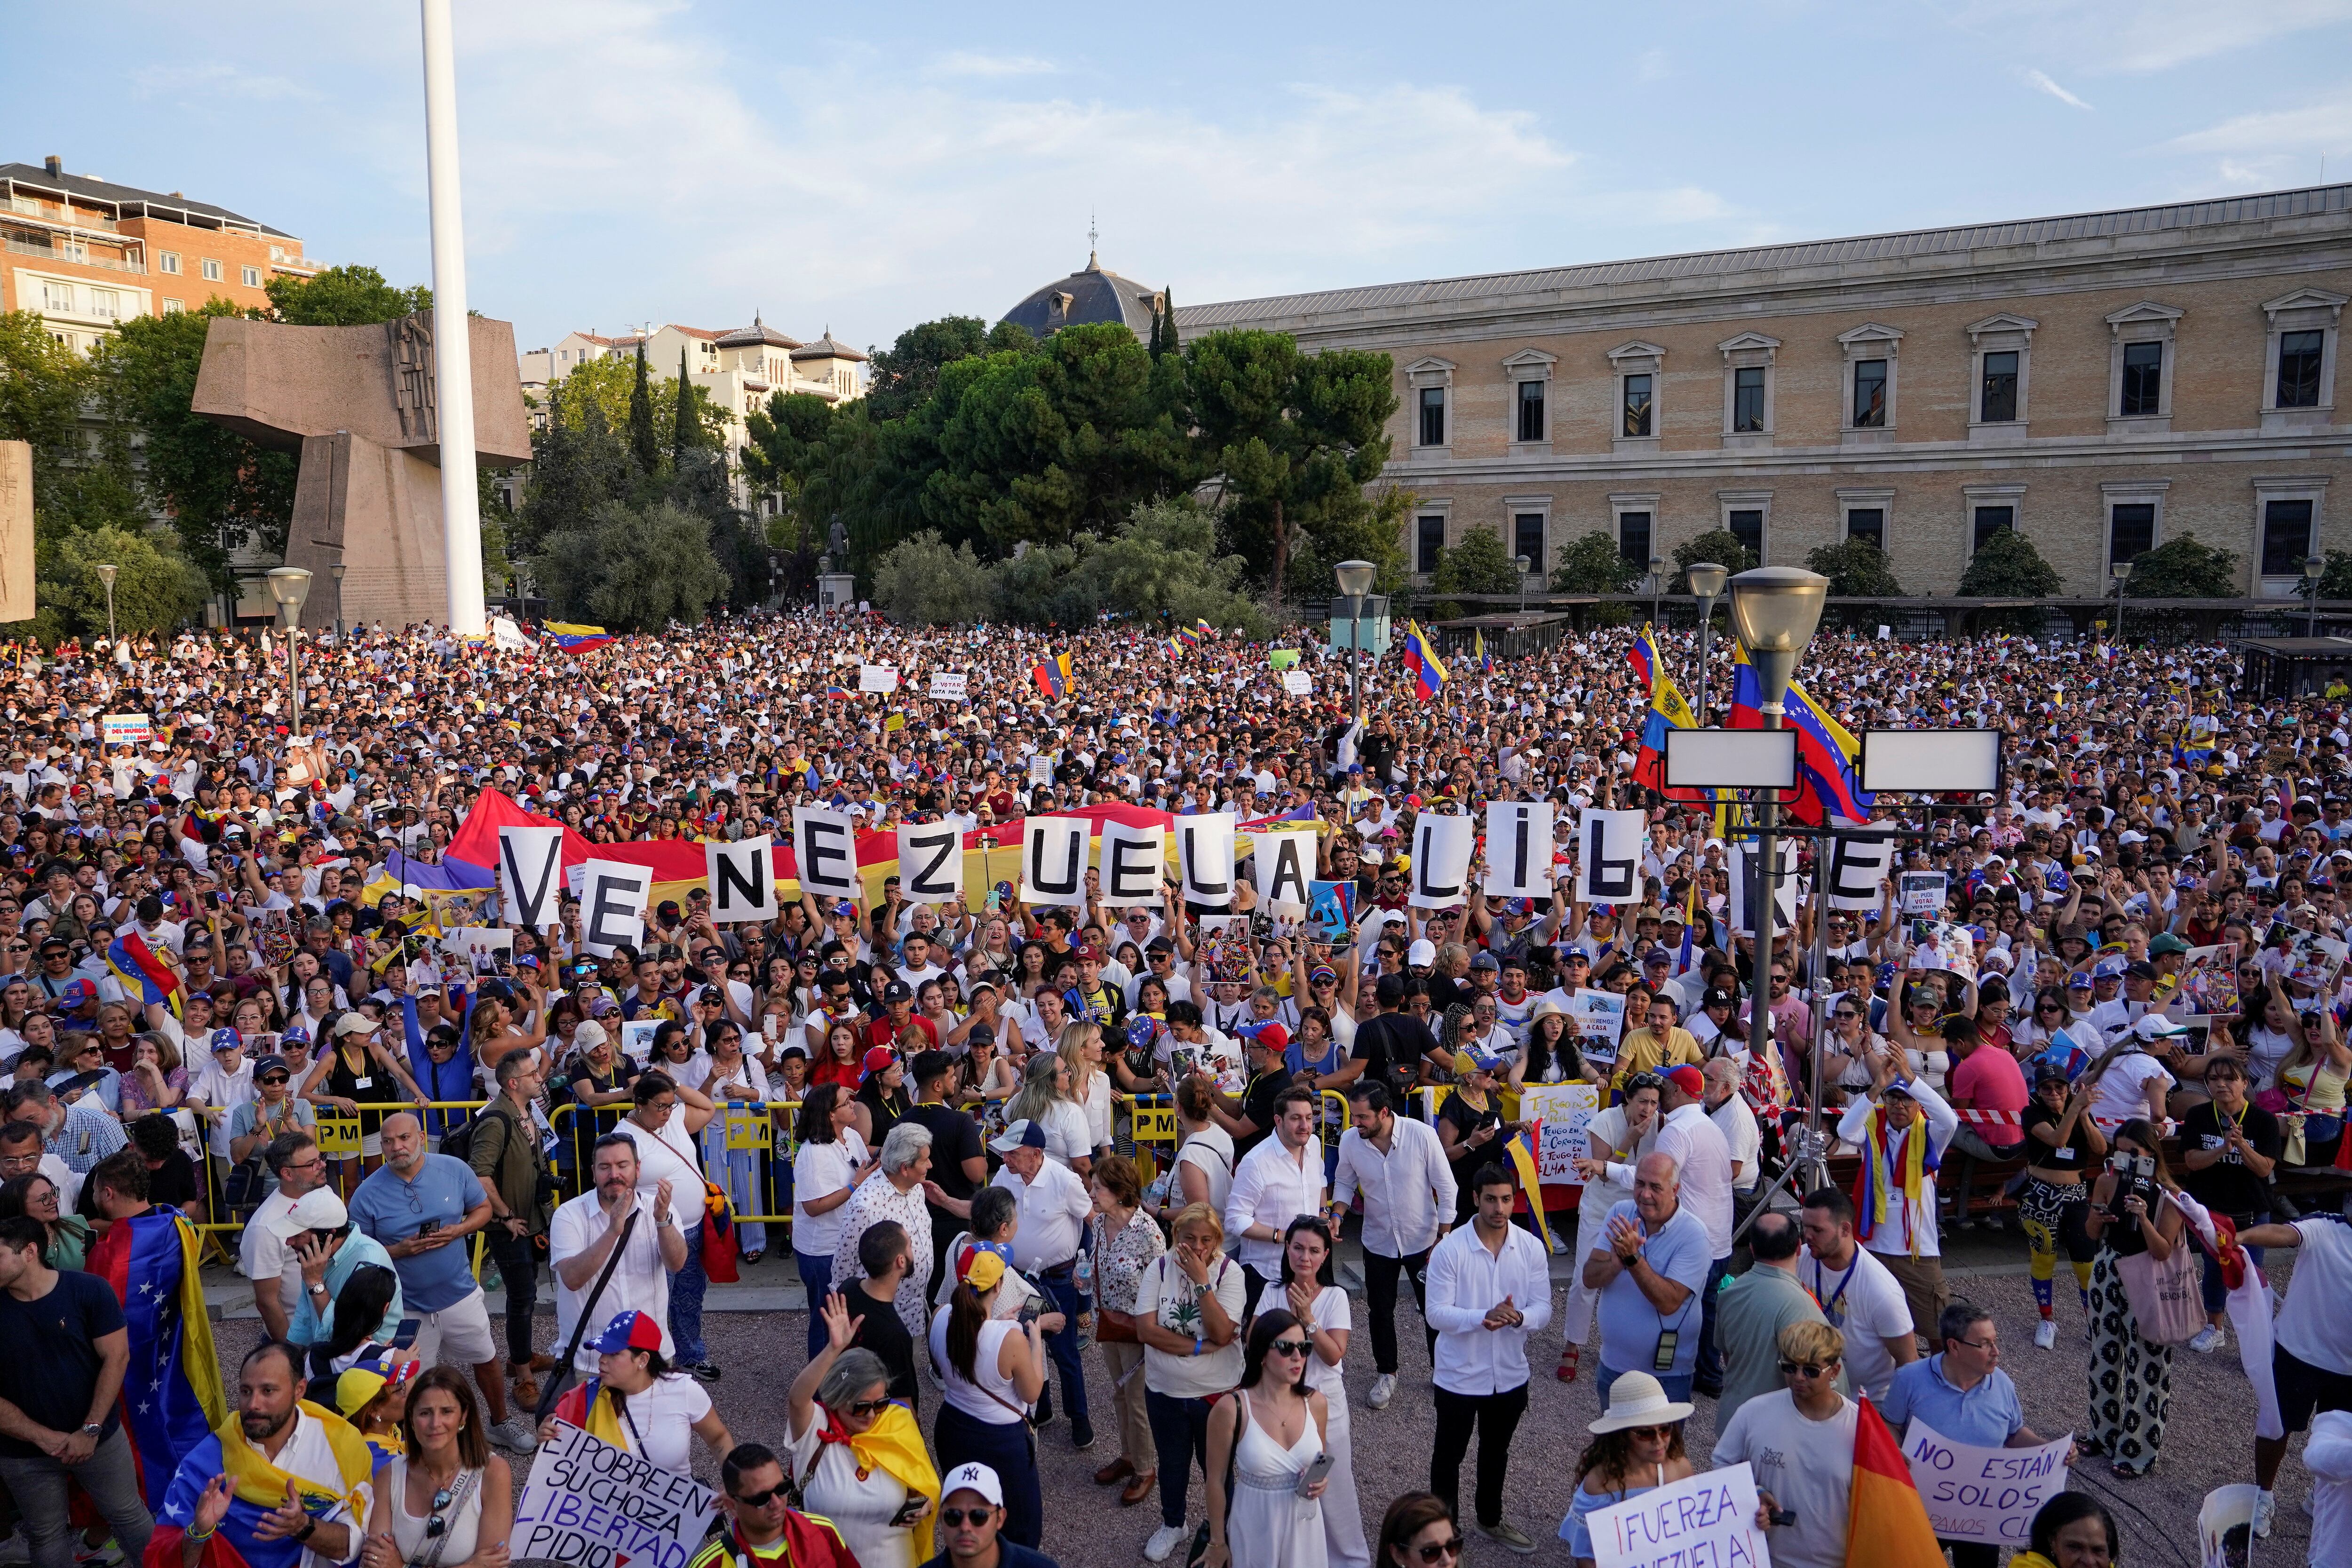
[(1496, 1416), (1973, 1553), (518, 1267), (1381, 1293)]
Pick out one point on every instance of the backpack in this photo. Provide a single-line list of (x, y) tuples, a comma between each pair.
[(459, 1141)]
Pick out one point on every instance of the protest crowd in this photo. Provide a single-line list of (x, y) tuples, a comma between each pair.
[(452, 994)]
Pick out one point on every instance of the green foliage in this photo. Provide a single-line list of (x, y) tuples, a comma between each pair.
[(343, 296), (610, 384), (1479, 564), (631, 568), (683, 427), (2009, 567), (1856, 569), (1162, 562), (788, 444), (578, 464), (42, 386), (898, 378), (1593, 565), (2181, 568), (2337, 582), (642, 447), (699, 486), (221, 489), (155, 589), (1719, 545), (925, 582), (489, 500), (1166, 340)]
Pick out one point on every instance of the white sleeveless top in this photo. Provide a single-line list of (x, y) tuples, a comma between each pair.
[(972, 1396), (408, 1535)]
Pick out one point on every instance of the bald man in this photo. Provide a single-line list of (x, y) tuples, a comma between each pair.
[(1648, 1273), (422, 1207)]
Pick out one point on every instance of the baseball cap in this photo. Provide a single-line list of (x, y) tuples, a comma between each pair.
[(355, 1024), (1689, 1080), (897, 990), (630, 1330), (980, 1267), (1485, 960), (227, 1040), (1271, 1035), (589, 1035), (1021, 1134), (2111, 967), (877, 1058), (974, 1478), (2079, 980), (2139, 971), (270, 1064), (2164, 943), (318, 1209), (356, 1389), (2157, 1027), (1421, 951), (1087, 952)]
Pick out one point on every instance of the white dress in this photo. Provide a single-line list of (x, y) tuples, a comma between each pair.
[(1343, 1519), (1267, 1523)]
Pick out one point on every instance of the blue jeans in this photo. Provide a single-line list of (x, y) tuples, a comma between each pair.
[(1709, 1373), (1180, 1436), (2217, 1294), (686, 1291), (110, 1477), (1677, 1385), (816, 1278), (1062, 1291)]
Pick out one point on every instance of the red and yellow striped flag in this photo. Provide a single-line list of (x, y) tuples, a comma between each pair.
[(1885, 1523)]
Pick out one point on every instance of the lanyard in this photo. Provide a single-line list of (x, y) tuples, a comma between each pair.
[(1830, 1307)]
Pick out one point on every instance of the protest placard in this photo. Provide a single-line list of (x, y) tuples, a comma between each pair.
[(1297, 682), (1331, 910), (1599, 1018), (1919, 892), (1441, 859), (1941, 945), (1983, 1494), (1708, 1518), (877, 678), (588, 1504), (1562, 1111), (2301, 957), (947, 686), (128, 728), (2207, 986)]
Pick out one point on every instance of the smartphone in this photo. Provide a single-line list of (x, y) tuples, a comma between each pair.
[(1783, 1517), (1668, 1342), (429, 1227), (1314, 1472), (909, 1510)]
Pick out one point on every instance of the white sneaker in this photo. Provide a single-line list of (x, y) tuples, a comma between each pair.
[(2207, 1340), (1383, 1390), (518, 1432), (1163, 1542), (2265, 1513), (2045, 1333)]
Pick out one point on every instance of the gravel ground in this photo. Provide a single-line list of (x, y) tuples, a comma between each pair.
[(2208, 1442)]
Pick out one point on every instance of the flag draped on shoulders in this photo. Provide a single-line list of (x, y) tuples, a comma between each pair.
[(1826, 750), (258, 1488), (1421, 660), (1885, 1524), (143, 972), (172, 1393)]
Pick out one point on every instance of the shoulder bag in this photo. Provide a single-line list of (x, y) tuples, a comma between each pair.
[(564, 1370)]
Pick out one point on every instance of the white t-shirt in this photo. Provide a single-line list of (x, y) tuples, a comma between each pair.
[(2122, 1091), (660, 1421), (1866, 1305), (819, 1169), (2312, 1324), (1067, 1136), (261, 1256), (1331, 1312), (640, 1284), (1806, 1465), (2327, 1455), (1210, 1150), (1098, 1109), (668, 1156), (1166, 1294)]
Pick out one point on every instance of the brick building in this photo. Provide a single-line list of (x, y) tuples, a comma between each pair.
[(85, 254), (2102, 382)]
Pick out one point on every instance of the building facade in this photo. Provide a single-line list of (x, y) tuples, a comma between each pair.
[(85, 254), (2103, 382)]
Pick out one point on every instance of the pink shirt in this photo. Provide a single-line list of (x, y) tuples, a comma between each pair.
[(1991, 1080)]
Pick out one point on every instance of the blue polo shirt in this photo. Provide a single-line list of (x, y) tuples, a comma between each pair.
[(391, 1209), (1986, 1415)]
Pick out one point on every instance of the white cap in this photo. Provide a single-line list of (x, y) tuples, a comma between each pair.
[(318, 1209), (972, 1479), (589, 1035), (1423, 951)]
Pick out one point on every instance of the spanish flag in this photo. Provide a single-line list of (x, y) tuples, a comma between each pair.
[(1885, 1523)]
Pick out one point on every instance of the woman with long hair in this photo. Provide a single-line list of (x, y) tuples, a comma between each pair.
[(356, 1066), (156, 1080), (1548, 1055), (1127, 1241), (829, 1162), (1263, 1512), (1045, 1098), (991, 1370), (859, 1453), (36, 1197), (363, 1319), (839, 1062), (1323, 1314), (734, 1076), (1637, 1446), (1081, 1047), (2131, 1377), (445, 1497)]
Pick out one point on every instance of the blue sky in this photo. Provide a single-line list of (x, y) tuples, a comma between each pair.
[(867, 167)]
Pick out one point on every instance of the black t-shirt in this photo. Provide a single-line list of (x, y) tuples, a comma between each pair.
[(585, 1077), (51, 1368), (173, 1182), (879, 1330), (955, 1137), (1257, 1109), (2064, 1157), (1465, 1157), (1390, 1044), (889, 1107), (2226, 1186)]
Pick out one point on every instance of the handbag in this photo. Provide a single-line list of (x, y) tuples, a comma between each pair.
[(2166, 1307), (1112, 1326)]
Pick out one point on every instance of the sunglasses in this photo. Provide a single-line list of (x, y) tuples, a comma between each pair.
[(273, 1077), (869, 1406), (437, 1524), (758, 1499), (953, 1517), (1841, 1013), (1649, 1433), (1807, 1368), (1434, 1549), (1288, 1347)]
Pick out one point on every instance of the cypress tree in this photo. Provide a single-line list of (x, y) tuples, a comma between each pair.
[(1167, 343), (681, 439), (642, 443), (1155, 343)]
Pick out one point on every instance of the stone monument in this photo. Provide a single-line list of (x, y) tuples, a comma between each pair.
[(16, 531), (358, 404)]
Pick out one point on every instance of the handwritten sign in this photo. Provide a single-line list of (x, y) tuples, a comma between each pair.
[(1297, 682), (1709, 1519), (591, 1505), (877, 678), (338, 1137), (947, 686), (1562, 1111), (128, 728), (1983, 1494), (1920, 892)]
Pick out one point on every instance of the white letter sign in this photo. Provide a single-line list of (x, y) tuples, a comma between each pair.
[(1518, 849), (527, 857), (1861, 864), (931, 862), (1609, 857), (1054, 860), (613, 897), (1988, 1495), (1206, 843), (1441, 860), (1134, 862), (1283, 863), (825, 848), (742, 879), (877, 678)]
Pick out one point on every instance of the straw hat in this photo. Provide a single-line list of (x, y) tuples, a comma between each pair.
[(1636, 1399)]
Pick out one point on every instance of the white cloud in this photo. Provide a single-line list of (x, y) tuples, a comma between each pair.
[(2036, 78), (2144, 35), (969, 62), (213, 80), (2319, 127)]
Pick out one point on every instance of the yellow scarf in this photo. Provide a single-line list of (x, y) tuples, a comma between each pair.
[(894, 1445)]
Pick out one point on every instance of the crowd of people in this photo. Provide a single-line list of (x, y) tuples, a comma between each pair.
[(2104, 1006)]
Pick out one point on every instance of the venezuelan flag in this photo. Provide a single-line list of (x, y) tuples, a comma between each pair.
[(142, 971), (1885, 1523), (172, 1394), (1644, 656), (1204, 628), (1523, 1161), (1052, 675), (573, 638), (1826, 750), (1478, 651), (1188, 637), (259, 1487), (1421, 659)]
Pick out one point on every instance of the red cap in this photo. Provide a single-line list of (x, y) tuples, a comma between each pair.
[(1087, 949), (1689, 1080), (1275, 1036), (877, 1058)]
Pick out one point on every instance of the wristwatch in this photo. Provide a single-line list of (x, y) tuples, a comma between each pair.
[(95, 1430)]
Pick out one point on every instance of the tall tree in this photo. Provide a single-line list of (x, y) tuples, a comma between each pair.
[(901, 376), (1167, 324), (642, 443), (631, 568), (2183, 568), (1297, 436), (683, 427), (2009, 567), (343, 296), (578, 463)]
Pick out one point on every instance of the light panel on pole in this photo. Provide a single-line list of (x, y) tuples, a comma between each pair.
[(1930, 761), (1731, 759)]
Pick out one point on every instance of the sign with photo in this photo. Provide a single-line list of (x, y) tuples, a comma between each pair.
[(2207, 986), (2301, 957), (1599, 1017), (1561, 1112), (1942, 945)]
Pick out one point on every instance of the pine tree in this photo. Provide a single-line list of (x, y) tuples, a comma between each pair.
[(682, 432), (1167, 343), (642, 444)]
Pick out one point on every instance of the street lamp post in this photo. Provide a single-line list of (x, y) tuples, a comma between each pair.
[(1525, 566), (1706, 580), (2314, 567), (289, 586), (2121, 571), (1775, 611), (1657, 585), (106, 575), (1356, 579), (336, 572)]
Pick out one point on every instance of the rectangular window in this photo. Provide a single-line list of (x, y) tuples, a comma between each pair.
[(251, 276), (1429, 544), (1997, 404), (1527, 538), (1531, 411), (1637, 405), (1870, 395), (1747, 527), (1747, 399), (168, 262), (2286, 537), (212, 271), (2143, 378), (1867, 522), (1990, 521), (1634, 537), (173, 307), (2298, 382), (1433, 417), (74, 249), (56, 296), (2131, 529), (105, 303)]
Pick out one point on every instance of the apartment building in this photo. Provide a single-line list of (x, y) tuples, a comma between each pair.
[(85, 253), (740, 367), (2102, 382)]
